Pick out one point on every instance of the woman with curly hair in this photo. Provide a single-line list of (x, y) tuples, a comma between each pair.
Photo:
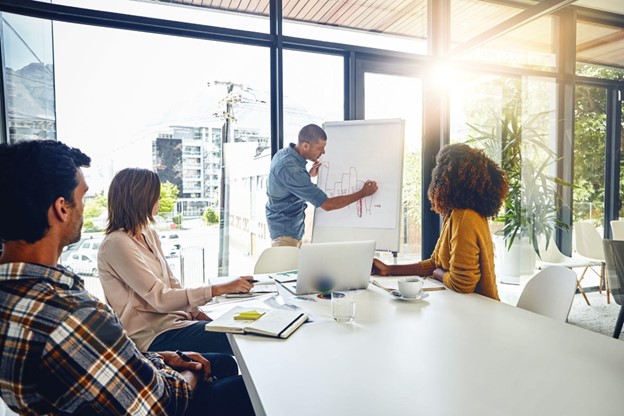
[(466, 188)]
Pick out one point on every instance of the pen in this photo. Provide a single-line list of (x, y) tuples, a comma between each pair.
[(253, 281), (190, 360), (185, 357)]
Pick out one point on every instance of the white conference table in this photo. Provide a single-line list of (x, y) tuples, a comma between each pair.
[(449, 354)]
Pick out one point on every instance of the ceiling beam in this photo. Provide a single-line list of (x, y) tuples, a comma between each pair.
[(601, 41), (528, 15)]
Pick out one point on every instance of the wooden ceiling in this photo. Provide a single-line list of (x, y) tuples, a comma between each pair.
[(408, 18)]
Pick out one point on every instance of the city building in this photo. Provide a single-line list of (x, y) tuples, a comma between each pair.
[(190, 158)]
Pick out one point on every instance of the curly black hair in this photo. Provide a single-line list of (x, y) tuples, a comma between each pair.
[(465, 178), (33, 174)]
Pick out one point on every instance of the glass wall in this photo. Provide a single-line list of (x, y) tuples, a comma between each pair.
[(590, 134), (393, 96), (513, 119), (28, 74), (194, 109), (313, 93), (188, 109)]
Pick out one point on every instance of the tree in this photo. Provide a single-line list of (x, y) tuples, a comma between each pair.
[(210, 216), (168, 197), (96, 206)]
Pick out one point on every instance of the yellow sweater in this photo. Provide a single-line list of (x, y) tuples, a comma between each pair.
[(466, 251)]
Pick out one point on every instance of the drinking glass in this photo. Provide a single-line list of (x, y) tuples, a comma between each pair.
[(343, 305)]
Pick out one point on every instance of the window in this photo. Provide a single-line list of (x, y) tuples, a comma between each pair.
[(590, 132), (313, 93), (123, 100), (28, 77), (393, 96)]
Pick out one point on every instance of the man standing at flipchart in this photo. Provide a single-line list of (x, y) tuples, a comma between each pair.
[(290, 186)]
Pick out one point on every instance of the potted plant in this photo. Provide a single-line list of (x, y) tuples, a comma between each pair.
[(529, 212)]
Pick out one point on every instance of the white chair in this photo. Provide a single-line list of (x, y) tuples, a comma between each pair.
[(588, 243), (551, 256), (550, 292), (277, 259), (617, 230)]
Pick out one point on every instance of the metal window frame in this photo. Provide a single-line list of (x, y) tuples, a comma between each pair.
[(436, 117)]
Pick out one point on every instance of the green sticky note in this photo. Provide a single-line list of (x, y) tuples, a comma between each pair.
[(248, 315)]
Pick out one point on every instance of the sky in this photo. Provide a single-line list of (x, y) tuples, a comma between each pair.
[(117, 89)]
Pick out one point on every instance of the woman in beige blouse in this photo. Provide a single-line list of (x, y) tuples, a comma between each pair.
[(156, 311)]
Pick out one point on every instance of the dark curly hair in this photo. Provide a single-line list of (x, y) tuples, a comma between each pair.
[(34, 174), (466, 178)]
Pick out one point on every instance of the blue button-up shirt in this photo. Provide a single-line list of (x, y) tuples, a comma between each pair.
[(288, 188)]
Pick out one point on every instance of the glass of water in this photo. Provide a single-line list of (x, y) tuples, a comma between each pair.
[(343, 305)]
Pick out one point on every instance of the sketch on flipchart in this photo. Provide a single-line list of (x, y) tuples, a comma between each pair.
[(374, 211)]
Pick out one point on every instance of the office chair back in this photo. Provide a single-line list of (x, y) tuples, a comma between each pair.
[(550, 254), (617, 230), (614, 259), (550, 292), (277, 259), (588, 241)]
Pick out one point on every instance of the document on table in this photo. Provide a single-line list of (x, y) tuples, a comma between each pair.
[(285, 277)]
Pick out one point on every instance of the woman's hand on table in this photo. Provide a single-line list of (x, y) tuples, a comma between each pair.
[(380, 268), (241, 285)]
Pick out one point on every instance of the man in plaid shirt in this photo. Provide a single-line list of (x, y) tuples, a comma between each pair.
[(63, 351)]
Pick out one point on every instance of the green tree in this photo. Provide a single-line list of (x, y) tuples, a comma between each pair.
[(590, 132), (95, 206), (168, 197), (210, 216)]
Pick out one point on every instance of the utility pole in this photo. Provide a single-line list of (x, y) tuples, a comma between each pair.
[(242, 95), (224, 199)]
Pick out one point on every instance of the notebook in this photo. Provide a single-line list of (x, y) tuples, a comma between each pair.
[(346, 265), (276, 323)]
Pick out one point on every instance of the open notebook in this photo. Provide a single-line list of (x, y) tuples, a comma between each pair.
[(278, 323), (343, 266)]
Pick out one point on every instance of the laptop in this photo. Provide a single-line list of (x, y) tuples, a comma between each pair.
[(346, 265)]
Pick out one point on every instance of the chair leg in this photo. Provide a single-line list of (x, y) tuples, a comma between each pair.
[(580, 279), (601, 275), (604, 282), (580, 288), (618, 323)]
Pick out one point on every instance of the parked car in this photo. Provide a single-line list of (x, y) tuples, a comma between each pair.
[(91, 245), (82, 263), (88, 244), (171, 245)]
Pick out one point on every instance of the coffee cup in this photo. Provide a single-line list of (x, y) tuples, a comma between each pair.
[(410, 287)]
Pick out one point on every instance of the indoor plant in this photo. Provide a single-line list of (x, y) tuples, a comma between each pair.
[(530, 210)]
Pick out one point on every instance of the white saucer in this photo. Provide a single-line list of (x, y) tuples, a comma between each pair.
[(421, 296)]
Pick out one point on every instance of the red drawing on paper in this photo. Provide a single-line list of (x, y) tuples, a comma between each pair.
[(348, 184)]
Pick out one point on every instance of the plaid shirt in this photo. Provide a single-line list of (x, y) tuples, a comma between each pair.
[(64, 352)]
